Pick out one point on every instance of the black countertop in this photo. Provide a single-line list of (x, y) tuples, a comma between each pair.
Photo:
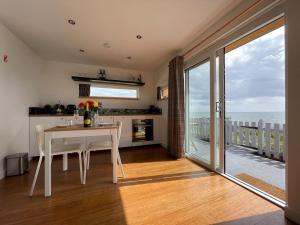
[(106, 114)]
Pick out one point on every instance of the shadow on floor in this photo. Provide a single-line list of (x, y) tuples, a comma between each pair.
[(152, 153), (165, 177), (253, 155), (276, 218)]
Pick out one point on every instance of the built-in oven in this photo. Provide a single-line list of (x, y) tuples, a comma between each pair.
[(142, 130)]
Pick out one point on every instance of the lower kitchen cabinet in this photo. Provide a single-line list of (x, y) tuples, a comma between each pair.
[(126, 139)]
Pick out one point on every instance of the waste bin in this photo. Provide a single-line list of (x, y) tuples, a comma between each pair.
[(16, 164)]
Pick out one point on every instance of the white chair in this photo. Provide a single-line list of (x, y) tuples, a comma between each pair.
[(56, 149), (99, 146)]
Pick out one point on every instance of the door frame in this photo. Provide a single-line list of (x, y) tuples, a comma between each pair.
[(210, 57), (216, 48), (222, 145)]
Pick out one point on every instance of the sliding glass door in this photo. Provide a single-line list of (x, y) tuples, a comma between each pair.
[(255, 109), (198, 112), (235, 110)]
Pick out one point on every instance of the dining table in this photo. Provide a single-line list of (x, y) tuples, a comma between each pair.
[(76, 131)]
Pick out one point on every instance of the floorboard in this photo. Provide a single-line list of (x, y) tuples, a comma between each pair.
[(156, 190)]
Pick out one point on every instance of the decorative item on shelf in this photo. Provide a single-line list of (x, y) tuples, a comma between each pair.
[(59, 108), (70, 109), (48, 109), (102, 74), (90, 109), (140, 78)]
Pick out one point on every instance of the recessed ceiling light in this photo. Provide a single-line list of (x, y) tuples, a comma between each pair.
[(82, 50), (139, 36), (72, 22), (128, 57), (106, 45)]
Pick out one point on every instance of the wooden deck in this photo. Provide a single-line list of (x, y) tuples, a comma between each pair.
[(157, 190)]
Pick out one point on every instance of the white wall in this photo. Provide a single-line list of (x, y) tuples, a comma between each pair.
[(293, 107), (57, 84), (27, 80), (161, 80), (18, 88)]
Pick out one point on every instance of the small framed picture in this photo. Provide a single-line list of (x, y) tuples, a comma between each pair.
[(162, 93)]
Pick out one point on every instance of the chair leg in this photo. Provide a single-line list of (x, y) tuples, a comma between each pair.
[(80, 167), (84, 166), (65, 162), (88, 160), (111, 156), (120, 163), (36, 175)]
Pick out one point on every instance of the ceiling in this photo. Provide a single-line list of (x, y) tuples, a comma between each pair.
[(166, 27)]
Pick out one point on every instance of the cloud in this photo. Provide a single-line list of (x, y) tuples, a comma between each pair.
[(254, 77)]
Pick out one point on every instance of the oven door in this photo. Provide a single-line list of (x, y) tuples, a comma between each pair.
[(142, 130)]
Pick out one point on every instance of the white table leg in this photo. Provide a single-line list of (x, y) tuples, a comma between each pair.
[(47, 164), (114, 150), (65, 162)]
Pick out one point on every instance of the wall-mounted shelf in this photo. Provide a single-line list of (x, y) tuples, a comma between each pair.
[(107, 81)]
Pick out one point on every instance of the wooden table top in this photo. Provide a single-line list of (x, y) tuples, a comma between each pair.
[(80, 127)]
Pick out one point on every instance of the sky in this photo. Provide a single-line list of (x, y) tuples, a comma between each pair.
[(254, 77), (113, 92)]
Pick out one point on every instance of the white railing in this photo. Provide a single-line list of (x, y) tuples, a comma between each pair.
[(268, 139)]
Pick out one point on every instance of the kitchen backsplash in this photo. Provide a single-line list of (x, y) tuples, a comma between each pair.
[(103, 111)]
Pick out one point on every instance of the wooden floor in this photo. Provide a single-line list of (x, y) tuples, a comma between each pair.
[(157, 190)]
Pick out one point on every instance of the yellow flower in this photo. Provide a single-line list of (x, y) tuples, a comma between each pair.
[(96, 104)]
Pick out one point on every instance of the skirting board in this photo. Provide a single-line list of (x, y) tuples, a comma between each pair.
[(292, 215)]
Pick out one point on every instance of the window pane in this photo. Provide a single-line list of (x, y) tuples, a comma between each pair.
[(113, 92), (198, 116), (255, 113)]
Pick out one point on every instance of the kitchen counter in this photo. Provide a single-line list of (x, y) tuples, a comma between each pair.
[(105, 114), (127, 119)]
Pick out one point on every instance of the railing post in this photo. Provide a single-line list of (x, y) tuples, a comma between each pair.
[(241, 133), (247, 134), (276, 140), (260, 137), (235, 132), (229, 137), (207, 129), (253, 141), (200, 130), (268, 140)]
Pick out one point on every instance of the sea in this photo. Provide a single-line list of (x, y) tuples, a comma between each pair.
[(267, 117)]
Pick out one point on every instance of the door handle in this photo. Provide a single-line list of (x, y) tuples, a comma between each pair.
[(217, 107)]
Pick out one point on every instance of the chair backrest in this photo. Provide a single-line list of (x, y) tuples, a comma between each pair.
[(39, 129), (119, 125)]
